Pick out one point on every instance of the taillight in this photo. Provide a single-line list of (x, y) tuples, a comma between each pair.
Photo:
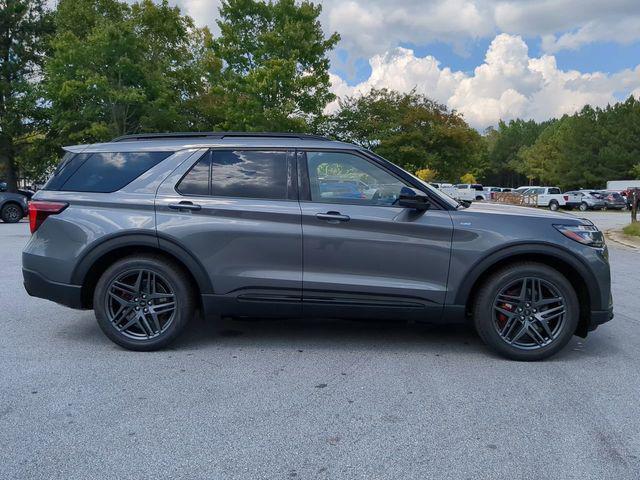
[(40, 210), (566, 198)]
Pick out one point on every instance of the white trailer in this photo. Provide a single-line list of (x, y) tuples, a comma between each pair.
[(622, 184)]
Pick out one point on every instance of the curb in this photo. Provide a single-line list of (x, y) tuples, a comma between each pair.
[(618, 237)]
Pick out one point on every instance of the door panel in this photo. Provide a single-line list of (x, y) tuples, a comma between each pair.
[(251, 248), (374, 259)]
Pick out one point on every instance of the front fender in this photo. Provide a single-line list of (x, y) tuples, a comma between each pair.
[(529, 250)]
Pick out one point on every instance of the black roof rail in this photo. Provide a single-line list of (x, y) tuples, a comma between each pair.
[(215, 135)]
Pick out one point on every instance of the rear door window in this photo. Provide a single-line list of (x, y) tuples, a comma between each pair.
[(103, 172), (249, 174), (554, 191)]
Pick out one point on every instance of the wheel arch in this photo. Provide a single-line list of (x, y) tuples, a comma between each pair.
[(568, 265), (100, 257)]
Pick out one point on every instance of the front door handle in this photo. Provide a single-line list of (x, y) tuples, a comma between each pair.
[(185, 206), (333, 217)]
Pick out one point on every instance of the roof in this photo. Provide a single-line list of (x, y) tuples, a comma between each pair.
[(182, 141)]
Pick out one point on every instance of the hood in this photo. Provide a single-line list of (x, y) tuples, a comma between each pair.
[(501, 209)]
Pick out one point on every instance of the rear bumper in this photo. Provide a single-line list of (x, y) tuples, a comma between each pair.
[(38, 286)]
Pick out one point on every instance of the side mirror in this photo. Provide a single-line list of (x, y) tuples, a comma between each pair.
[(416, 201)]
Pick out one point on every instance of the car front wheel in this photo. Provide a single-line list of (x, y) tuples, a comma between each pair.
[(584, 207), (526, 311), (553, 205), (143, 302)]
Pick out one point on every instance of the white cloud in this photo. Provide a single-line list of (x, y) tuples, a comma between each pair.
[(204, 12), (371, 26), (368, 27), (624, 31), (507, 85)]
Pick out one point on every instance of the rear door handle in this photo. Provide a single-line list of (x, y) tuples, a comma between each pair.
[(333, 217), (185, 206)]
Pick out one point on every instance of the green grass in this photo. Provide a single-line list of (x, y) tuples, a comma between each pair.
[(632, 229)]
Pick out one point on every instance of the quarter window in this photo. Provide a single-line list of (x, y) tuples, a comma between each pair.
[(337, 177), (197, 180), (103, 172)]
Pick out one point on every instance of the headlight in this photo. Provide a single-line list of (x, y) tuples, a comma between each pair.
[(585, 234)]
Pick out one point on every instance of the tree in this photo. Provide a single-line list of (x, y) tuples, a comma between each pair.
[(117, 68), (276, 70), (410, 130), (468, 178), (24, 27), (503, 147), (427, 174), (586, 149)]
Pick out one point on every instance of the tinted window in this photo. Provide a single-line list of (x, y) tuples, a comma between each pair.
[(196, 181), (103, 172), (554, 191), (67, 167), (249, 174), (336, 177)]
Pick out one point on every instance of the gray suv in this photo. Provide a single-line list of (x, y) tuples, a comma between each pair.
[(147, 229)]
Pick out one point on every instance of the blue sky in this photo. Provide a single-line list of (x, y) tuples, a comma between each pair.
[(601, 56), (487, 59)]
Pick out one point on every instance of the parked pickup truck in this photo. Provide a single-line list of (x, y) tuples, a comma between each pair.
[(551, 197), (447, 188), (470, 192)]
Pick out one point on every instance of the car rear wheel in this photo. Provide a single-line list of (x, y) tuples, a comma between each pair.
[(143, 302), (584, 207), (11, 213), (553, 205), (526, 311)]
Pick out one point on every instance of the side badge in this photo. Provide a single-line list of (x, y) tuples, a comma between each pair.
[(465, 224)]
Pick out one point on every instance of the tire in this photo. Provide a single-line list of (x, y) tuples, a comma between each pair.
[(488, 320), (553, 205), (583, 207), (123, 286), (479, 198), (11, 213)]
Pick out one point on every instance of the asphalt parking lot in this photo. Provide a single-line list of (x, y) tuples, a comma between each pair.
[(313, 399)]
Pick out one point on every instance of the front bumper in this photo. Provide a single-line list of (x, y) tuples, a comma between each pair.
[(598, 317), (38, 286)]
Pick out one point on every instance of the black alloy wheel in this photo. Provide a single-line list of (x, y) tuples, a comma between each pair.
[(143, 302), (140, 304), (529, 313), (526, 311)]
